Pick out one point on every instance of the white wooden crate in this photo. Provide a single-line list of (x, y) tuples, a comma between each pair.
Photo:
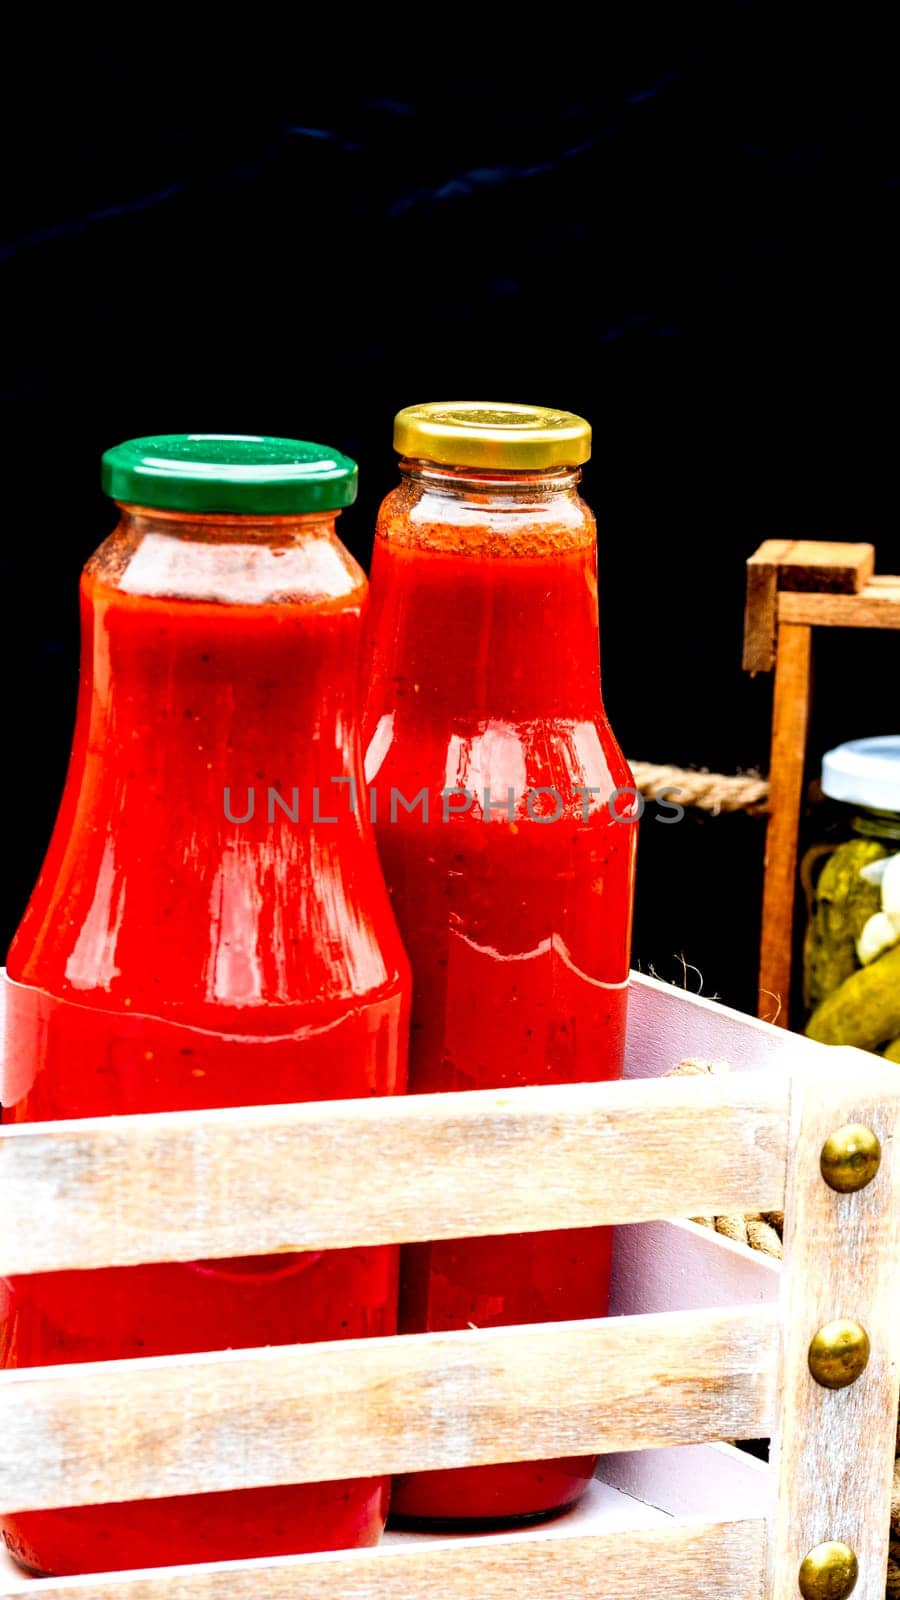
[(712, 1519)]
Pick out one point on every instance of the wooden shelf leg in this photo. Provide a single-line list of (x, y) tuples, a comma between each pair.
[(790, 719)]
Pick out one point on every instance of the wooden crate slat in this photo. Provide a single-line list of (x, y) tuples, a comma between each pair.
[(686, 1560), (711, 1270), (129, 1430), (665, 1023), (693, 1480), (110, 1191)]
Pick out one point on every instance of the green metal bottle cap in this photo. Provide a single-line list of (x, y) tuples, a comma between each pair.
[(238, 473)]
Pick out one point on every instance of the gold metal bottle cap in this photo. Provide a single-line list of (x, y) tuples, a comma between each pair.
[(472, 433)]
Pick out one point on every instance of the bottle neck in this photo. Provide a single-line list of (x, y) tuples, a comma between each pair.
[(227, 560), (493, 488), (882, 825), (485, 596)]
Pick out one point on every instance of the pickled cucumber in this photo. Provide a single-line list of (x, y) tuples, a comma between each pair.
[(892, 1051), (865, 1010), (844, 904)]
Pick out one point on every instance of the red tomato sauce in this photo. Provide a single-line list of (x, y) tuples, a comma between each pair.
[(171, 959), (484, 674)]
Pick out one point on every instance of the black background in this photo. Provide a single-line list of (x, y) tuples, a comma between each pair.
[(683, 225)]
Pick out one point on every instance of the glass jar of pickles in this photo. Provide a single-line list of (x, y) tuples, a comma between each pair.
[(851, 955)]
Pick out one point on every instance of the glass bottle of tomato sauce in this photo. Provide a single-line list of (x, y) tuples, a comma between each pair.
[(507, 844), (210, 928)]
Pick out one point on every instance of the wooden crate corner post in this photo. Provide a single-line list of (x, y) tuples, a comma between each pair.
[(833, 1449)]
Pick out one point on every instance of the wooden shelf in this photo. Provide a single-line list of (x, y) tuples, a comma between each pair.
[(794, 586)]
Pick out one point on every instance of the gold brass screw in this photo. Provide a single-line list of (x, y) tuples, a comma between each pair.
[(829, 1572), (839, 1354), (850, 1158)]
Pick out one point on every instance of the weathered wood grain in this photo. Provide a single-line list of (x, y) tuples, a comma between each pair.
[(801, 565), (169, 1186), (834, 1450), (826, 566), (790, 719), (761, 605), (129, 1430), (876, 606), (685, 1561)]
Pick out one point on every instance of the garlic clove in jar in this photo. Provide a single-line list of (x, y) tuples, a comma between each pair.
[(890, 886), (878, 935)]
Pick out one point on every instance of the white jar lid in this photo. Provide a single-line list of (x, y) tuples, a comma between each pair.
[(865, 772)]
